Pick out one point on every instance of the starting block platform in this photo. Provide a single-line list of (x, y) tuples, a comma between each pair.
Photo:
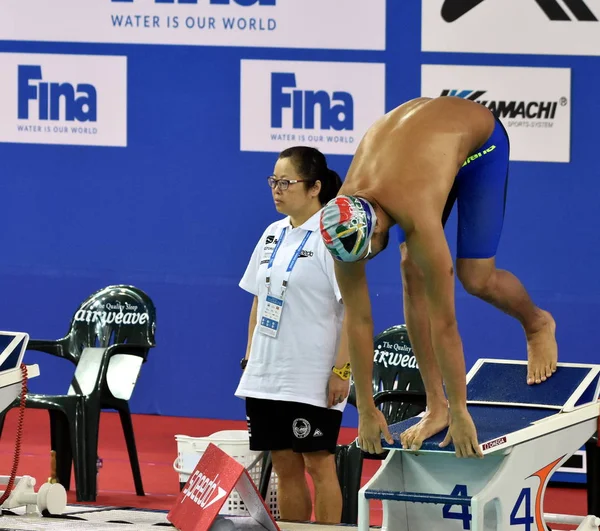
[(525, 432)]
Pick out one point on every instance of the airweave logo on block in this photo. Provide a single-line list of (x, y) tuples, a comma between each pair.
[(326, 105), (545, 111), (533, 104), (454, 9), (63, 99)]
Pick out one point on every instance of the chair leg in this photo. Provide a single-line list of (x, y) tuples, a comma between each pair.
[(265, 475), (341, 464), (60, 442), (352, 477), (592, 452), (127, 424), (79, 448), (2, 419), (88, 455)]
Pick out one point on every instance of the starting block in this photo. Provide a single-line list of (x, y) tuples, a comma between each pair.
[(50, 498), (525, 432)]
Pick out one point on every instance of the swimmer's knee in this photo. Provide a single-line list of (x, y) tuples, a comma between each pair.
[(476, 276)]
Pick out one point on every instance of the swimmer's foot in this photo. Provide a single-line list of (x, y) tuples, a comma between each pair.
[(542, 350), (430, 424)]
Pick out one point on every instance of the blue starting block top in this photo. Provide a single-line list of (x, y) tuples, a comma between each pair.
[(501, 402), (492, 422), (504, 383), (12, 349)]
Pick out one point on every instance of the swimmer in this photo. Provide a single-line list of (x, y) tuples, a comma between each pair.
[(409, 169)]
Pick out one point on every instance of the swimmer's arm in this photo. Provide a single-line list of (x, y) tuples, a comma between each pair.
[(358, 327), (251, 325), (428, 247), (343, 355)]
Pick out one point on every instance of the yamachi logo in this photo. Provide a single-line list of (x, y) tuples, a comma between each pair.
[(454, 9), (518, 112), (202, 490)]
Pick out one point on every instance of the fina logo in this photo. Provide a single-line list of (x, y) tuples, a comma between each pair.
[(243, 3), (80, 103), (337, 108)]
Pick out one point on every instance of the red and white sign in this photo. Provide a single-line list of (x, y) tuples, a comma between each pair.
[(207, 489)]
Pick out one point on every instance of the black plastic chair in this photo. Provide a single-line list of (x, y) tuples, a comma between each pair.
[(398, 391), (109, 339)]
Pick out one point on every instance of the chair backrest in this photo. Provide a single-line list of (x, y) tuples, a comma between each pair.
[(115, 314), (394, 368)]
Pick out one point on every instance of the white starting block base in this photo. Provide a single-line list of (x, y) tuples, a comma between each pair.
[(51, 497), (524, 440)]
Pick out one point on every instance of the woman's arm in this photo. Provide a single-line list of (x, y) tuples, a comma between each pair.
[(251, 325)]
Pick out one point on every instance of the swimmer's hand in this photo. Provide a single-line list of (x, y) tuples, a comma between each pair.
[(463, 434), (371, 427)]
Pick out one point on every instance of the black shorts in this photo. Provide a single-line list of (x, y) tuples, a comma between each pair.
[(278, 425)]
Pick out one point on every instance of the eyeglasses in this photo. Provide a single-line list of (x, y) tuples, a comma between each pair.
[(283, 184)]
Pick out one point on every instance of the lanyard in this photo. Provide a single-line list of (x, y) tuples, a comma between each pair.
[(292, 263)]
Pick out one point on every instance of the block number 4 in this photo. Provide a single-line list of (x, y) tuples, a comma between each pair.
[(519, 516), (525, 520), (462, 513)]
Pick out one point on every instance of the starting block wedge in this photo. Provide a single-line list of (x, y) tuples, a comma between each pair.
[(215, 476), (525, 431)]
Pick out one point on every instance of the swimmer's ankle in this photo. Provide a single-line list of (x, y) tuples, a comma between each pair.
[(540, 321), (437, 407)]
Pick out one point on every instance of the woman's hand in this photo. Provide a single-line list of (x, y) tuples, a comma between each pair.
[(337, 390)]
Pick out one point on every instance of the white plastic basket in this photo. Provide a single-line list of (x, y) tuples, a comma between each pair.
[(234, 443)]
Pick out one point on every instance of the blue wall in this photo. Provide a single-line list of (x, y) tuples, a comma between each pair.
[(178, 212)]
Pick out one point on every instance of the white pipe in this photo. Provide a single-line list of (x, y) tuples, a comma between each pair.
[(563, 519)]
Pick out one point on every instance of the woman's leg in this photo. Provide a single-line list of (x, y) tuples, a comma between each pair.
[(293, 496), (328, 494), (270, 429)]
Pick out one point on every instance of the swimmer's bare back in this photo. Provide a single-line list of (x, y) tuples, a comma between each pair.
[(408, 159)]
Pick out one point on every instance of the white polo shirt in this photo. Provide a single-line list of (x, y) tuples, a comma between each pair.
[(296, 365)]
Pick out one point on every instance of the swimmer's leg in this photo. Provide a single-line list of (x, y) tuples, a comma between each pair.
[(482, 187), (416, 317), (504, 290)]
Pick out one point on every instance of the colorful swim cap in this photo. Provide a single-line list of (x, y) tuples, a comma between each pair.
[(347, 224)]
